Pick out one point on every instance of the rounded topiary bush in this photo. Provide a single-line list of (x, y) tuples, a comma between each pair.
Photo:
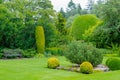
[(78, 52), (86, 67), (53, 63), (82, 23), (113, 63)]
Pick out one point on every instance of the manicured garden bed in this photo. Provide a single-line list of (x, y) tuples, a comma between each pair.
[(35, 69)]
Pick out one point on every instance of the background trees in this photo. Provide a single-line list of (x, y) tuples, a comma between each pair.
[(20, 17), (109, 32), (73, 9), (7, 28)]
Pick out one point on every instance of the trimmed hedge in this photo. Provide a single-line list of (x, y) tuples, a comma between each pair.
[(86, 67), (53, 63), (113, 63), (40, 39), (81, 24)]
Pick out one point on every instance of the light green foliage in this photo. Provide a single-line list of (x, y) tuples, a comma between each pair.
[(81, 24), (40, 39), (54, 51), (115, 48), (60, 25), (113, 63), (70, 20), (29, 53), (62, 36), (86, 67), (89, 32), (53, 63), (78, 52)]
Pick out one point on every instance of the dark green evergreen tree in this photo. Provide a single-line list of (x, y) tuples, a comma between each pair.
[(90, 5), (71, 5), (62, 12), (79, 9)]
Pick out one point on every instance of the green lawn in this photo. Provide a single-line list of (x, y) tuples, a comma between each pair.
[(35, 69)]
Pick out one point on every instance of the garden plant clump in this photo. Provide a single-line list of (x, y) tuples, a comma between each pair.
[(113, 63), (78, 52), (86, 67), (53, 63)]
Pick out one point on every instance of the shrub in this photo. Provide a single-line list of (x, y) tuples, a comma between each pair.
[(54, 51), (40, 39), (29, 53), (39, 55), (78, 52), (113, 63), (1, 53), (86, 67), (81, 24), (53, 63)]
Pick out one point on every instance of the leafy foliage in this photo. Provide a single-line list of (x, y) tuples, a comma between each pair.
[(63, 36), (7, 28), (40, 39), (86, 67), (54, 51), (109, 32), (29, 53), (78, 52), (89, 32), (19, 19), (60, 25)]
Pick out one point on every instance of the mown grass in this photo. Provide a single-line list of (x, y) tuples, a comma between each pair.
[(35, 69)]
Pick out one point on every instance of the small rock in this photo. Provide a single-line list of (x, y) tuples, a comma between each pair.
[(60, 68), (101, 67)]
